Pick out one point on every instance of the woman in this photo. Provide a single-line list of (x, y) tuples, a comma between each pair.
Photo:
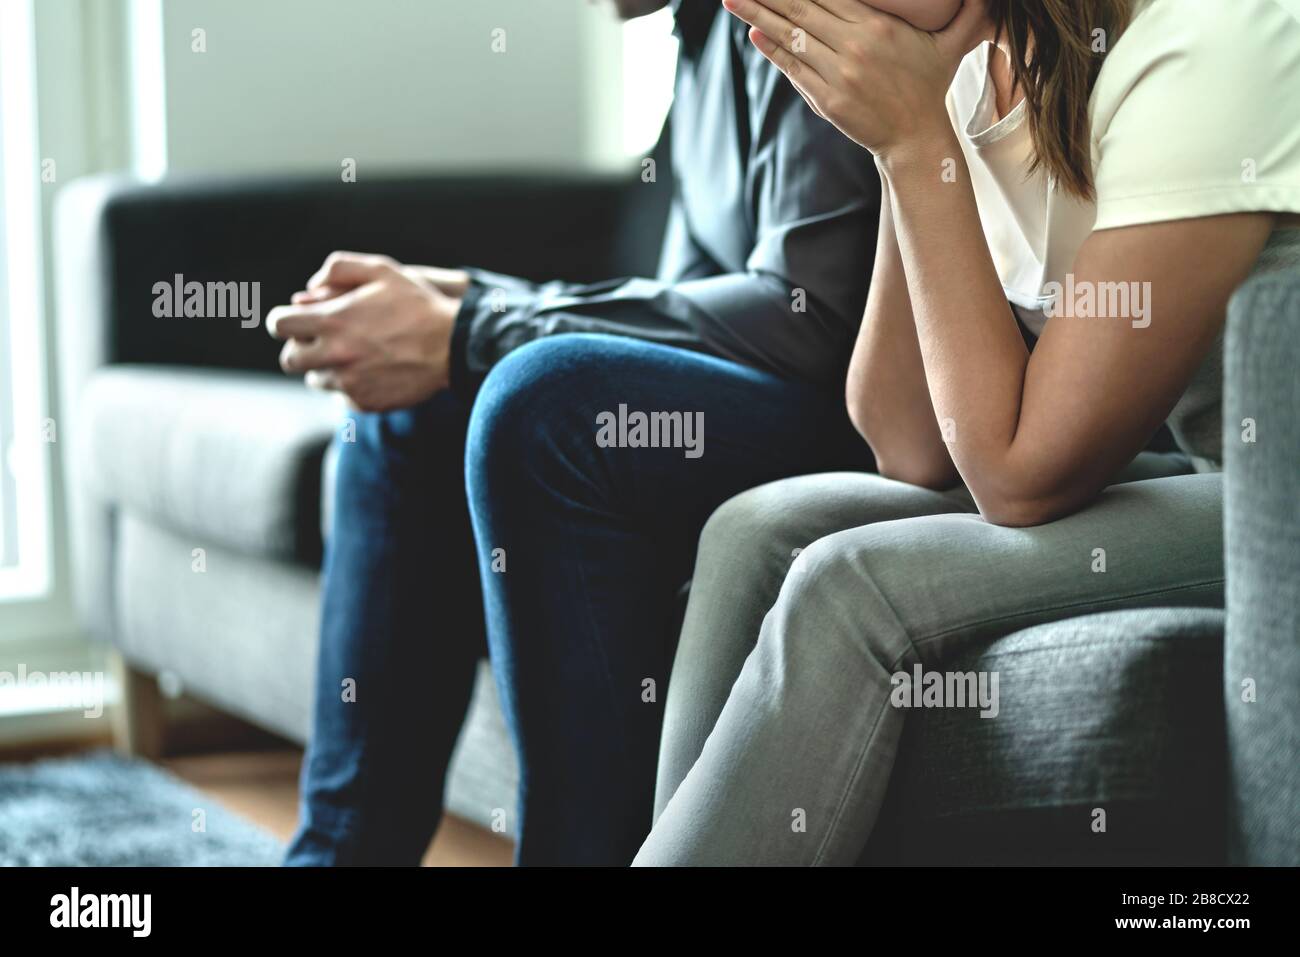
[(1113, 169)]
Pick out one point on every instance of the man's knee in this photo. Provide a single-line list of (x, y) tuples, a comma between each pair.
[(367, 450), (406, 436), (529, 409)]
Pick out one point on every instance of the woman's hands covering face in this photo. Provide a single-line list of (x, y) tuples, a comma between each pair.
[(922, 14), (880, 80)]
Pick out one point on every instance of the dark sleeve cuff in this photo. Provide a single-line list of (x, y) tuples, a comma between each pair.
[(462, 380)]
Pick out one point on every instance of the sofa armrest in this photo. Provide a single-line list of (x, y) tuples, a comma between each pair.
[(231, 459), (1262, 539)]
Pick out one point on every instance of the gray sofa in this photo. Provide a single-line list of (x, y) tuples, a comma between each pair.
[(195, 483)]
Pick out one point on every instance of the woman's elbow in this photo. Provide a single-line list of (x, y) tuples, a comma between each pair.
[(859, 412), (898, 457), (1014, 514), (925, 468), (927, 472), (1012, 510)]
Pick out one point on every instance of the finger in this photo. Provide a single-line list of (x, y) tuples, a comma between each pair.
[(349, 269), (811, 15), (850, 11), (452, 282), (808, 99), (806, 80), (295, 322), (326, 380), (323, 352), (319, 294), (795, 41)]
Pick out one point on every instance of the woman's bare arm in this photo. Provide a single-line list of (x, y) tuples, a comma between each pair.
[(1033, 437), (886, 392), (1036, 437)]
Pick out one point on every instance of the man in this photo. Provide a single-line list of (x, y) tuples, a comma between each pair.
[(585, 540)]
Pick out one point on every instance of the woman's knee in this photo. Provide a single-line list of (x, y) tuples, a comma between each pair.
[(861, 591), (745, 551), (763, 530), (757, 533)]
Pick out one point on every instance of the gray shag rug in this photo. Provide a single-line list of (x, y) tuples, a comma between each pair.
[(101, 810)]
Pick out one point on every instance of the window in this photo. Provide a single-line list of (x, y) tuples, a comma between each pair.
[(649, 65), (26, 434)]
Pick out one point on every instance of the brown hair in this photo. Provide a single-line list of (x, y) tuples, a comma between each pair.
[(1053, 60)]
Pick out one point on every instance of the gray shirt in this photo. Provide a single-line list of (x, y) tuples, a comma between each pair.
[(770, 239)]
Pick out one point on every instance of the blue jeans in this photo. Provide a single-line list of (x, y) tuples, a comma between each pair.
[(583, 548)]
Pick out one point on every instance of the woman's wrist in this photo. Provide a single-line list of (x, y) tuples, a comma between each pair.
[(929, 157)]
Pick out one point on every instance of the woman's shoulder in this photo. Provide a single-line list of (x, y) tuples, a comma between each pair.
[(1197, 17), (1188, 47), (1196, 112), (1224, 31)]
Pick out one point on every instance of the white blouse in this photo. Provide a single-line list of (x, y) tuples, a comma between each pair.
[(1196, 112)]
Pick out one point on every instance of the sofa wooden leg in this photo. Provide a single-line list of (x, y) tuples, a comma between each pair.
[(138, 717)]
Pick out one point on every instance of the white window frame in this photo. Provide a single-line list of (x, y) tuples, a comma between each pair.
[(26, 455), (649, 67)]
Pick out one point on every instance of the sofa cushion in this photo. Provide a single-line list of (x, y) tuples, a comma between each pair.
[(1121, 712), (225, 458), (483, 778), (242, 637)]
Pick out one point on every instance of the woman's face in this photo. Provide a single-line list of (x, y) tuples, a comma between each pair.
[(928, 15), (629, 9)]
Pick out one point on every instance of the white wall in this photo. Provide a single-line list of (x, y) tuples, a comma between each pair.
[(298, 84), (302, 84)]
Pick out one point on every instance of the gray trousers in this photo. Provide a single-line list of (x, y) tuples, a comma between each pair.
[(809, 594)]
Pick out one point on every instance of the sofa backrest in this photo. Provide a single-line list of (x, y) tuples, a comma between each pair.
[(117, 239), (1261, 445)]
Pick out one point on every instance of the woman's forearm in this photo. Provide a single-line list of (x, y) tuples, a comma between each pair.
[(972, 351), (886, 391)]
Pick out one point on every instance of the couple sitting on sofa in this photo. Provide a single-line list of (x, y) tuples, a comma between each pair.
[(993, 444)]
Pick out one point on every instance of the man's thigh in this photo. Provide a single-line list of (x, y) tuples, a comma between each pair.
[(647, 432)]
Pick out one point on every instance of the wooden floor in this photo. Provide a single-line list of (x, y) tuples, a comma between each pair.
[(262, 787)]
